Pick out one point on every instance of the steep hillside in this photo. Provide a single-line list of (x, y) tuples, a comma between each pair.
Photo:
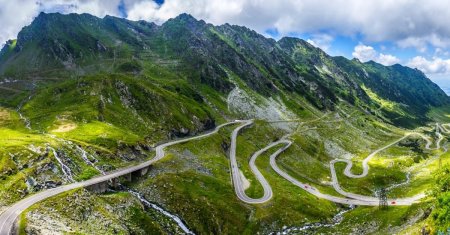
[(81, 96), (403, 95), (58, 47)]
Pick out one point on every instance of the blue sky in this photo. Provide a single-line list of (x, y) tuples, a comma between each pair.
[(410, 32)]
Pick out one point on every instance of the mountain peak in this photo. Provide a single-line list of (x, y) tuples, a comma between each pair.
[(186, 19), (186, 16), (69, 42), (43, 16)]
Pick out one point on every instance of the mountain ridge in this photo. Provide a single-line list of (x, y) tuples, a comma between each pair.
[(73, 44), (81, 96)]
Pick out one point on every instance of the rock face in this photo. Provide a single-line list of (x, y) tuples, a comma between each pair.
[(214, 56), (98, 214), (122, 86)]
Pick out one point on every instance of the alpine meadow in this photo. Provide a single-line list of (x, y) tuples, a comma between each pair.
[(117, 126)]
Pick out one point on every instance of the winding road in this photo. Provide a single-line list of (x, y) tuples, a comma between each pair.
[(350, 198), (348, 173), (239, 185), (10, 215), (235, 174)]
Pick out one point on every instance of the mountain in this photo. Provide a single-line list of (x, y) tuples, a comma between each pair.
[(60, 47), (82, 95)]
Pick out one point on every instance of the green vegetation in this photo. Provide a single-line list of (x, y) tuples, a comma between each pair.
[(22, 224), (118, 213), (372, 220), (441, 215), (104, 92), (194, 182)]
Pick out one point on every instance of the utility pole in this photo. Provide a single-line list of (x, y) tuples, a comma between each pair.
[(383, 199)]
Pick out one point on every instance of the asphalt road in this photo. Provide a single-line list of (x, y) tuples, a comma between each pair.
[(309, 188), (350, 198), (235, 174), (9, 216), (237, 181), (348, 173)]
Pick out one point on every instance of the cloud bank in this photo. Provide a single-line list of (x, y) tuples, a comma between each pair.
[(434, 66), (405, 23), (366, 53), (408, 22)]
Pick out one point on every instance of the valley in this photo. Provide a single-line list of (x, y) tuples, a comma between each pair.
[(111, 126), (9, 216)]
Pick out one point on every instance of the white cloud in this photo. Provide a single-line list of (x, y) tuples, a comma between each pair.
[(424, 27), (214, 11), (422, 43), (13, 16), (376, 20), (387, 59), (323, 41), (419, 43), (366, 53), (434, 66), (16, 14), (143, 10), (441, 52)]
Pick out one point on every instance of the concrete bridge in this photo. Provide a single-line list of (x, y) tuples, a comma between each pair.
[(97, 184), (114, 183)]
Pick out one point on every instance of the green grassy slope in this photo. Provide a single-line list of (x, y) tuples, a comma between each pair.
[(116, 88)]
